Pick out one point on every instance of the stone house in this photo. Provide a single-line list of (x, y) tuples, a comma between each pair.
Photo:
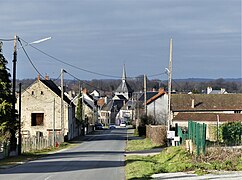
[(157, 107), (211, 109), (89, 108), (109, 112), (41, 110)]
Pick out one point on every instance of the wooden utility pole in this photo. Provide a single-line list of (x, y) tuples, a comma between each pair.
[(19, 122), (13, 142), (53, 123), (62, 103), (145, 97), (169, 88)]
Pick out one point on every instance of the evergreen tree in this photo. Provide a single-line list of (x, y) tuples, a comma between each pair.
[(6, 123)]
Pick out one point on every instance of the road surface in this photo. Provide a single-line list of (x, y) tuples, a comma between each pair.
[(100, 156)]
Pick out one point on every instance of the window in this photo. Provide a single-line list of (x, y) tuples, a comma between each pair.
[(37, 119), (237, 112), (41, 92), (32, 92)]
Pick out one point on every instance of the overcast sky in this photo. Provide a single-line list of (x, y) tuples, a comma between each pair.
[(101, 35)]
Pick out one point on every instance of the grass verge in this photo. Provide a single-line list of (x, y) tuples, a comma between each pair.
[(176, 159), (140, 144), (32, 155)]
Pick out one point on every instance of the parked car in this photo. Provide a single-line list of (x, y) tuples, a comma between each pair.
[(112, 126), (122, 124), (98, 126)]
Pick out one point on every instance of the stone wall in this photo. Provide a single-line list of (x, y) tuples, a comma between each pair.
[(157, 134)]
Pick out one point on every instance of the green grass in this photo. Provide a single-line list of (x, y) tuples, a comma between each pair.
[(175, 159), (32, 155), (140, 144), (172, 159)]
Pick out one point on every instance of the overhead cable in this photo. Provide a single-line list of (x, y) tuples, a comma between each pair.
[(82, 69), (31, 62)]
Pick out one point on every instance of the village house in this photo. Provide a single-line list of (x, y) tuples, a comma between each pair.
[(211, 109), (41, 111), (157, 107), (89, 105), (109, 113), (127, 113)]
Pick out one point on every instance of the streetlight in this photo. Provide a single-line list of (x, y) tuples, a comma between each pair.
[(13, 142)]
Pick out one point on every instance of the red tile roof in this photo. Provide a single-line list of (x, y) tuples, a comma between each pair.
[(159, 94)]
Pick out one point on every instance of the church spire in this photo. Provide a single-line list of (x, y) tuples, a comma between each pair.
[(124, 74)]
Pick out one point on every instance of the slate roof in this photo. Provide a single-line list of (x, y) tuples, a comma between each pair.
[(51, 85), (148, 95), (121, 97), (118, 104), (124, 87), (206, 102), (209, 117)]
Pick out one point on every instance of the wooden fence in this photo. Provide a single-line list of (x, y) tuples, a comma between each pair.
[(32, 143)]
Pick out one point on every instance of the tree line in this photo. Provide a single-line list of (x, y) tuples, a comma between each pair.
[(137, 84)]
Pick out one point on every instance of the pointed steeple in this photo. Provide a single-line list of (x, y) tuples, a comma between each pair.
[(124, 74)]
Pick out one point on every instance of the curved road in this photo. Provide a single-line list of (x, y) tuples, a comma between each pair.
[(99, 156)]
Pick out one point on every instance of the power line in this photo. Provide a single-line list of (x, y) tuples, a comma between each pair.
[(6, 39), (31, 62), (85, 82), (59, 60), (82, 69)]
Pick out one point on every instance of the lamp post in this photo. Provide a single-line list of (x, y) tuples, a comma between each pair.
[(13, 142)]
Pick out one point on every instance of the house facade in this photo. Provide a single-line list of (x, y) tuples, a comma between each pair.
[(41, 111), (157, 107), (109, 112)]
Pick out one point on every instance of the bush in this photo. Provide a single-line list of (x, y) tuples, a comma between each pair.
[(231, 133)]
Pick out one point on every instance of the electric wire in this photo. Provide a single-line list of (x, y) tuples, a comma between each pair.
[(86, 82), (59, 60), (57, 78), (31, 62), (6, 39), (82, 69)]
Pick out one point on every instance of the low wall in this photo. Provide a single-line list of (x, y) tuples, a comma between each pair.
[(157, 134)]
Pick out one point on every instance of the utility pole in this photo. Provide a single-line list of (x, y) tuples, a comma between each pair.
[(217, 128), (145, 90), (13, 142), (83, 116), (62, 104), (19, 122), (169, 88), (53, 123)]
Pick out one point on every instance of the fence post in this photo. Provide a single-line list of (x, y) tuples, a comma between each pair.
[(204, 138), (198, 138)]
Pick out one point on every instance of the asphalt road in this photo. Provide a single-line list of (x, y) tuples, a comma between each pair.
[(99, 156)]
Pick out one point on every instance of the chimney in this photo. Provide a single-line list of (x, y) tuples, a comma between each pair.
[(161, 90), (84, 91), (46, 77), (38, 77), (209, 90), (193, 103)]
